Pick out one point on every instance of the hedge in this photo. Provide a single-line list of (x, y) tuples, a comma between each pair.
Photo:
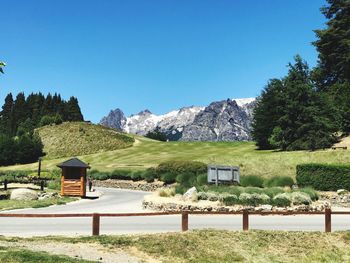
[(324, 177)]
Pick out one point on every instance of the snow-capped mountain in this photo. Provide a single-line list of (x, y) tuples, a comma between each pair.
[(227, 120)]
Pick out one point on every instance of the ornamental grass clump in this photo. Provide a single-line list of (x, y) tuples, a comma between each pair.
[(202, 196), (282, 200), (299, 198), (230, 200), (166, 192)]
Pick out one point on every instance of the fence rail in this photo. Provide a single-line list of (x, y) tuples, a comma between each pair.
[(184, 216)]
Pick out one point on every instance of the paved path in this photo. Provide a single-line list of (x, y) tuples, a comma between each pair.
[(114, 200)]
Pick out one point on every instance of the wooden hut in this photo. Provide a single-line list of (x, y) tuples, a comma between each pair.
[(73, 179)]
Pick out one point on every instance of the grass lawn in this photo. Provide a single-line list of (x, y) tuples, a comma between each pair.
[(14, 255), (229, 246), (147, 153), (18, 204)]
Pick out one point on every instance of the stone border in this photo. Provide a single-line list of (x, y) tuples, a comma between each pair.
[(129, 184)]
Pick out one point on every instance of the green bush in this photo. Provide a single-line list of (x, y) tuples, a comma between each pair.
[(182, 167), (282, 200), (54, 184), (253, 199), (97, 175), (253, 190), (121, 174), (137, 175), (273, 191), (279, 181), (251, 180), (325, 177), (186, 179), (4, 195), (168, 178), (212, 197), (310, 192), (202, 196), (230, 200), (299, 198), (202, 179), (179, 189), (149, 175), (166, 192)]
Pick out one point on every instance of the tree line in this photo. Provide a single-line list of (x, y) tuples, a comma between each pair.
[(20, 116), (308, 108)]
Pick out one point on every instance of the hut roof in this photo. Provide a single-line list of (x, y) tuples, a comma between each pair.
[(74, 162)]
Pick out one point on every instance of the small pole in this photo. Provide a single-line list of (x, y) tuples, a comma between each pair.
[(39, 168), (217, 176), (42, 185), (95, 224), (184, 221), (328, 220), (245, 220), (5, 185)]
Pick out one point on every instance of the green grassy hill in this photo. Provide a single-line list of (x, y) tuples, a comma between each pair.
[(80, 138), (147, 153)]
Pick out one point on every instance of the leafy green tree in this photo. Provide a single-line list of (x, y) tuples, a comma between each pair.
[(72, 110), (2, 65), (267, 113), (156, 135), (20, 112), (292, 115), (6, 118), (333, 44)]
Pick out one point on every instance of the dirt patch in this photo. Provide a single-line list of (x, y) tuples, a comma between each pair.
[(87, 251)]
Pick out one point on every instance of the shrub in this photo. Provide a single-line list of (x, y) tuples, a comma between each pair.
[(310, 192), (54, 184), (97, 175), (279, 181), (230, 200), (253, 190), (149, 175), (137, 176), (252, 180), (182, 167), (4, 195), (121, 174), (166, 192), (202, 196), (299, 198), (48, 120), (245, 199), (186, 179), (202, 179), (213, 197), (282, 200), (273, 191), (168, 178), (325, 177), (179, 189)]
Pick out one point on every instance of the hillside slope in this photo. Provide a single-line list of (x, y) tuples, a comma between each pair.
[(79, 138), (147, 153)]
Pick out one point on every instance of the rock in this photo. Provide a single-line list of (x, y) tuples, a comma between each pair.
[(266, 208), (342, 191), (24, 194), (190, 193)]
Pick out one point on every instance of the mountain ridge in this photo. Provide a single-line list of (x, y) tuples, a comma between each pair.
[(225, 120)]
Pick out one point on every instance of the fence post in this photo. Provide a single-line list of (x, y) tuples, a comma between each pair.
[(328, 220), (184, 221), (95, 224), (245, 220)]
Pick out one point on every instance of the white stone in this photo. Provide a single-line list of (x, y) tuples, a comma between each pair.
[(190, 192), (266, 207), (23, 194), (342, 191)]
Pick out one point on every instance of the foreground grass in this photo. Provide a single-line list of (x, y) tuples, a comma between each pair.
[(230, 246), (13, 255), (148, 153), (19, 204)]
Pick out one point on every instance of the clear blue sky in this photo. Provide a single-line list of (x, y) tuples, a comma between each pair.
[(155, 54)]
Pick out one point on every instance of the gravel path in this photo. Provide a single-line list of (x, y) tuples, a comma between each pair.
[(87, 251)]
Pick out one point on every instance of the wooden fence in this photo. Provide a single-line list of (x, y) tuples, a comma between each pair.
[(184, 216)]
